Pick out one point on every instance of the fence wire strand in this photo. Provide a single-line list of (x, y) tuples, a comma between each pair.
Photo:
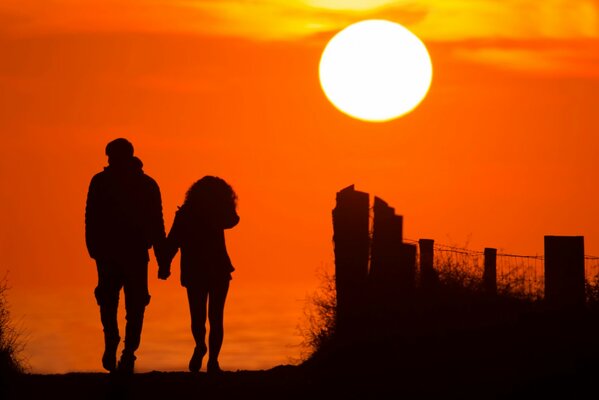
[(517, 274)]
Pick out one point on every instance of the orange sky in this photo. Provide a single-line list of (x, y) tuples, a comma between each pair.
[(501, 152)]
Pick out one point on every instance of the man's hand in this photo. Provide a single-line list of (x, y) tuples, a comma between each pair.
[(164, 273)]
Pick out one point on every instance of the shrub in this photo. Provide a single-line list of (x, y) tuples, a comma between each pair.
[(458, 301), (592, 292), (320, 316), (11, 346)]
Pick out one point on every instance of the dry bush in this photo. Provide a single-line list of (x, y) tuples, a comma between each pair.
[(320, 316), (459, 270), (11, 345), (592, 292)]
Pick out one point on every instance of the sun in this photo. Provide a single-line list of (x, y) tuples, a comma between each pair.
[(375, 70)]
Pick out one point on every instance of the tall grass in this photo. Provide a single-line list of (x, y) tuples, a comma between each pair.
[(592, 293), (320, 317), (11, 345), (459, 297)]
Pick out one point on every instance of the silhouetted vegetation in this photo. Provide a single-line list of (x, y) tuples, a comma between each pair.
[(592, 293), (459, 293), (320, 316), (455, 339), (11, 344)]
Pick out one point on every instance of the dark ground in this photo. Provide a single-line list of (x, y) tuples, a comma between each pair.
[(280, 383), (538, 356), (471, 349), (290, 382)]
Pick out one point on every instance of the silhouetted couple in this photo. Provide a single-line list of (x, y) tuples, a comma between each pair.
[(123, 220)]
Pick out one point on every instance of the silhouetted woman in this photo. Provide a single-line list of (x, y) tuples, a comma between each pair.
[(198, 230)]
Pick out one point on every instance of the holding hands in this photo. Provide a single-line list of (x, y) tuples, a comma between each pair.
[(164, 257), (164, 272)]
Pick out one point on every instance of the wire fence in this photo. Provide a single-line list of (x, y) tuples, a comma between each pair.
[(519, 275), (591, 266)]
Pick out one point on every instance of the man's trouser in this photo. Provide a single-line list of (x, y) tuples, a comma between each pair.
[(132, 276)]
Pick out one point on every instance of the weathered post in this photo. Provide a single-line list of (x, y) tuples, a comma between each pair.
[(386, 239), (564, 272), (391, 275), (351, 246), (407, 270), (490, 271), (428, 276)]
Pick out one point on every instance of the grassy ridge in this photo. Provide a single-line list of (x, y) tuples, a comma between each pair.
[(456, 340)]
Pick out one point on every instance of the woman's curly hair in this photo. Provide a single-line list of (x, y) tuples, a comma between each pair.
[(210, 194)]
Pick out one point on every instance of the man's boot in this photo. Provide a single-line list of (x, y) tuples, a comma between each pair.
[(111, 345), (108, 315), (134, 317)]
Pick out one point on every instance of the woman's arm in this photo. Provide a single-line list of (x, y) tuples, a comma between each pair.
[(170, 248)]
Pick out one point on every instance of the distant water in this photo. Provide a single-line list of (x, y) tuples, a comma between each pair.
[(64, 334)]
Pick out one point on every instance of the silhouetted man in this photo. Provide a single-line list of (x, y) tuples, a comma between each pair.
[(123, 220)]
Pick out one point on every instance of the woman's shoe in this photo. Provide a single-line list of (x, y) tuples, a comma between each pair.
[(213, 368), (126, 363), (195, 364)]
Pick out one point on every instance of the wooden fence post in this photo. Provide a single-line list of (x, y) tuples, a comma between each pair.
[(407, 270), (490, 272), (428, 276), (386, 239), (564, 272), (351, 247), (391, 275)]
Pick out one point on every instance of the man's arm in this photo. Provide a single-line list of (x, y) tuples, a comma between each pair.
[(91, 219), (158, 233)]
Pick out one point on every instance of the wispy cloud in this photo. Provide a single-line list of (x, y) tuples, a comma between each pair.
[(289, 19), (578, 58), (430, 19), (293, 19), (495, 24)]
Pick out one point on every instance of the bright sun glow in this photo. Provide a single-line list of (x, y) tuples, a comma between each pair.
[(375, 70)]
